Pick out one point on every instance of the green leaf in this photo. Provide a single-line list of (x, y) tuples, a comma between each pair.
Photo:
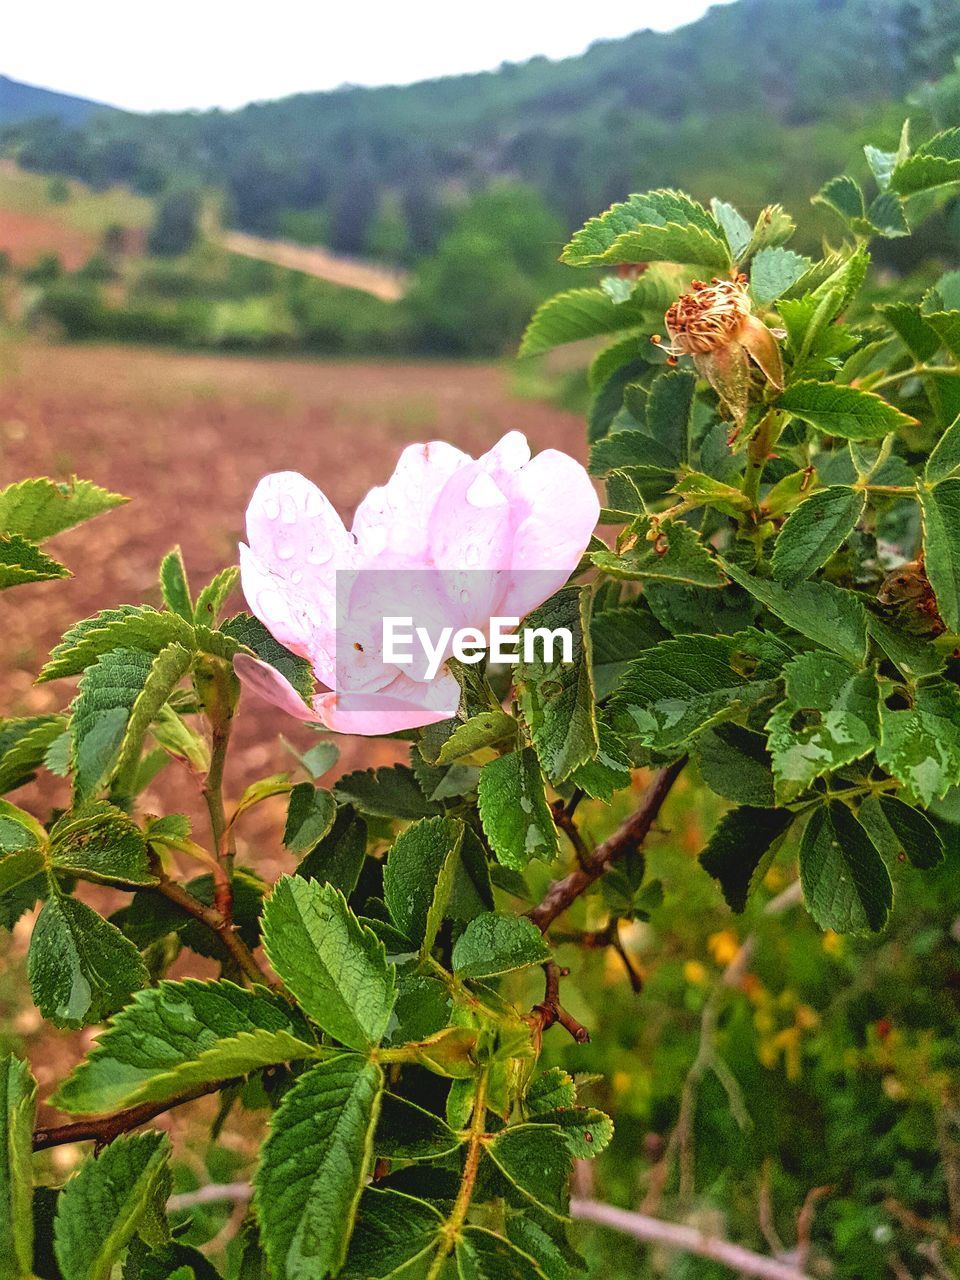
[(668, 411), (883, 163), (734, 762), (310, 817), (920, 745), (536, 1160), (336, 968), (214, 596), (81, 967), (101, 841), (844, 411), (940, 508), (513, 808), (946, 325), (166, 671), (944, 459), (911, 326), (586, 1130), (129, 627), (174, 585), (102, 1206), (251, 633), (587, 313), (741, 848), (887, 216), (674, 691), (827, 615), (845, 881), (418, 877), (773, 271), (814, 531), (829, 718), (483, 1255), (674, 554), (486, 729), (774, 226), (493, 943), (39, 508), (107, 693), (314, 1164), (902, 831), (408, 1132), (18, 1108), (557, 697), (21, 561), (388, 792), (617, 637), (660, 226), (338, 858), (934, 164), (736, 229), (23, 746), (179, 1034), (392, 1230), (608, 771), (553, 1088)]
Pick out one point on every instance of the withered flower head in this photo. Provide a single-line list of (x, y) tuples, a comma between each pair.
[(714, 324)]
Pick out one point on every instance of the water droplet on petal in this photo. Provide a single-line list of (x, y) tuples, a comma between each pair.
[(288, 509), (296, 577), (464, 596), (286, 551), (314, 504), (472, 555), (271, 508), (319, 553)]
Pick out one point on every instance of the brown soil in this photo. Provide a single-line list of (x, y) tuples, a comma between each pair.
[(25, 236)]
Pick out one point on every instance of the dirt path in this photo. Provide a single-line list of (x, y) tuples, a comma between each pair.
[(352, 273)]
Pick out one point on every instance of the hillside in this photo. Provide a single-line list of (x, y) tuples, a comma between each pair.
[(759, 99), (20, 102)]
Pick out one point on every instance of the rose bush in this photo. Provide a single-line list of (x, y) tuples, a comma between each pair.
[(777, 606)]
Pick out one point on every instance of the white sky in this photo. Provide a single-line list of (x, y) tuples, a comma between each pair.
[(203, 53)]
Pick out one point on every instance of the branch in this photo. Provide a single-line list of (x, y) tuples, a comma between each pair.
[(629, 837), (104, 1129), (708, 1059), (675, 1235), (221, 926), (550, 1010)]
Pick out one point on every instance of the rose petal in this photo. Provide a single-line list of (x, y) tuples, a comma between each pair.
[(404, 704), (390, 525), (269, 684)]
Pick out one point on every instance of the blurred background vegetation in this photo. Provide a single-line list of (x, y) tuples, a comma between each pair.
[(445, 203)]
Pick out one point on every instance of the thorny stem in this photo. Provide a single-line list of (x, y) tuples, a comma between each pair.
[(458, 1214), (104, 1129), (626, 839), (562, 893), (214, 919)]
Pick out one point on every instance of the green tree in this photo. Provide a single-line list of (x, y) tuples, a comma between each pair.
[(176, 224)]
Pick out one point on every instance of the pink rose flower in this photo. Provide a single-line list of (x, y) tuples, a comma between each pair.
[(452, 540)]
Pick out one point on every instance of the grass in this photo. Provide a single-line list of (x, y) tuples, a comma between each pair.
[(87, 210)]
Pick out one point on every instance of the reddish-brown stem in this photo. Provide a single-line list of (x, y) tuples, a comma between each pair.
[(104, 1129), (550, 1010), (627, 838), (214, 919)]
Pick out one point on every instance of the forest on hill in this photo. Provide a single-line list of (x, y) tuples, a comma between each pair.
[(759, 99)]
